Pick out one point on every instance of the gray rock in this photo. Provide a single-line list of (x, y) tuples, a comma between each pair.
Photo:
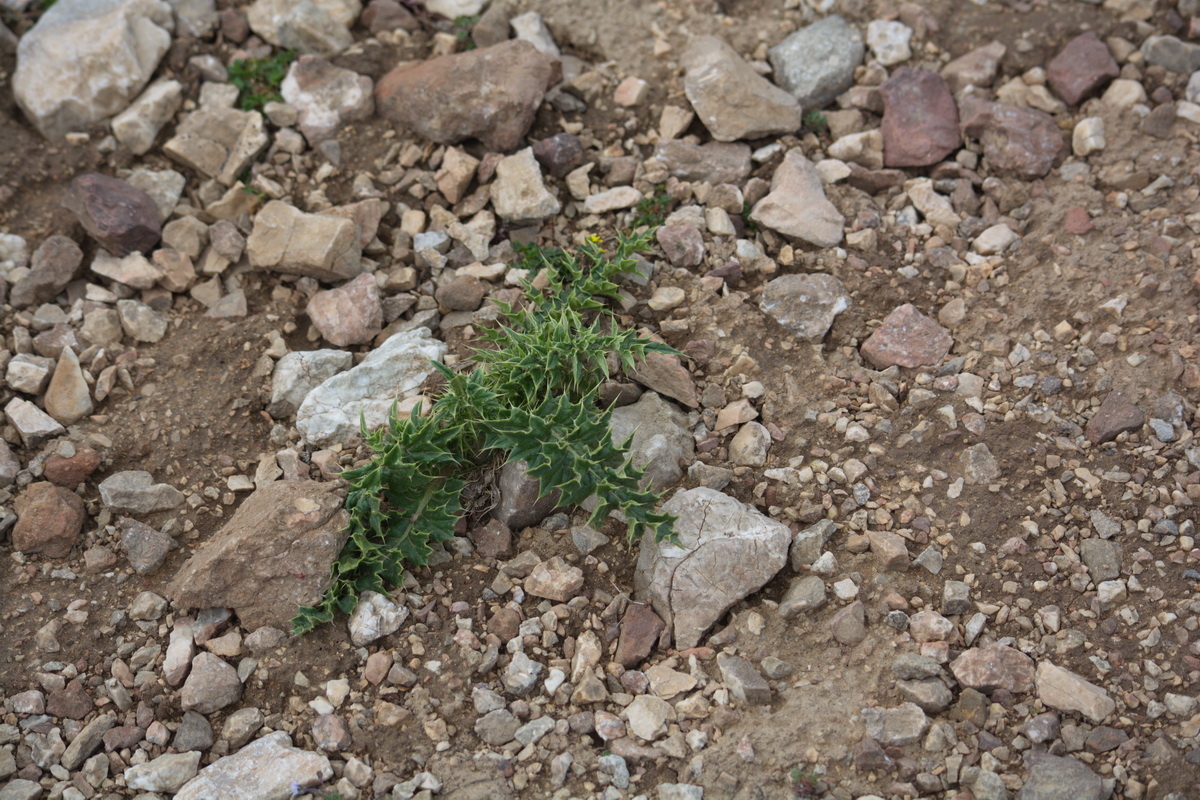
[(1064, 690), (817, 62), (1172, 54), (743, 681), (55, 264), (211, 685), (374, 617), (930, 694), (140, 322), (1102, 558), (218, 142), (265, 768), (797, 206), (715, 163), (33, 425), (145, 547), (915, 667), (325, 97), (615, 768), (803, 595), (241, 725), (195, 18), (808, 543), (661, 442), (979, 466), (1056, 777), (726, 550), (956, 598), (732, 100), (298, 373), (532, 732), (167, 773), (272, 556), (497, 727), (521, 674), (750, 445), (134, 492), (521, 500), (394, 370), (114, 47), (87, 741), (805, 304), (849, 625), (899, 726), (194, 733), (310, 26), (680, 791), (138, 126)]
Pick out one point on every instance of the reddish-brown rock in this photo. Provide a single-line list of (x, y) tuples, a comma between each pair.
[(920, 120), (1082, 68), (349, 314), (1021, 140), (1077, 221), (493, 540), (121, 218), (71, 702), (49, 520), (640, 630), (907, 338), (491, 94), (1116, 415), (70, 472)]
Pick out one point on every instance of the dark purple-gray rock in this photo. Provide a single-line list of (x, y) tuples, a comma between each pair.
[(121, 218)]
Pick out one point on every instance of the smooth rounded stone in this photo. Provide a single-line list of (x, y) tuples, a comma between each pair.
[(750, 445), (979, 466), (896, 727), (930, 694), (609, 726), (929, 626), (805, 304), (309, 26), (331, 733), (49, 520), (661, 440), (167, 773), (797, 206), (849, 624), (1123, 94), (518, 193), (395, 370), (194, 733), (1081, 68), (907, 338), (289, 241), (993, 240), (267, 767), (145, 547), (251, 565), (119, 217), (350, 314), (33, 425), (1025, 141), (490, 93), (497, 727), (920, 119), (666, 298), (1054, 777), (715, 162), (299, 372), (325, 97), (55, 264), (732, 100), (68, 398), (374, 617), (888, 40), (134, 492), (1116, 415), (725, 552), (1064, 690), (138, 126), (521, 675), (114, 47), (1088, 137), (817, 62), (647, 717), (976, 68), (994, 667), (1172, 54)]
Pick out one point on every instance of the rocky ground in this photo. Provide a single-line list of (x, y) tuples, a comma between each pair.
[(932, 446)]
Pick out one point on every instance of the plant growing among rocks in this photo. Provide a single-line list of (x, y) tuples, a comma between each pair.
[(258, 79), (532, 397)]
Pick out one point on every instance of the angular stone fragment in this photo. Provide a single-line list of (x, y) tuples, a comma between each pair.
[(325, 97), (167, 773), (350, 314), (732, 100), (665, 374), (995, 667), (555, 580), (145, 547), (289, 241), (266, 768), (374, 617), (817, 62), (134, 270), (121, 218), (976, 68), (68, 398), (271, 557), (640, 630), (55, 264), (907, 338), (518, 194), (1055, 777), (1081, 68), (849, 625), (211, 685), (85, 60), (218, 142), (49, 520), (33, 425), (137, 126), (134, 491), (299, 372), (310, 26), (491, 93), (1021, 140), (806, 304), (1064, 690), (744, 682), (920, 120), (715, 162), (726, 551), (1116, 415), (797, 206), (897, 726)]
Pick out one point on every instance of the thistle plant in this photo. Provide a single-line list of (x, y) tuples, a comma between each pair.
[(530, 394)]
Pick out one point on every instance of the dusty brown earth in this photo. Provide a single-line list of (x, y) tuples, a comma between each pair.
[(195, 415)]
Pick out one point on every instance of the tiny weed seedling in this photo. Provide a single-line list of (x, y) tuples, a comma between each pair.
[(804, 784), (462, 31), (815, 121), (258, 79), (532, 397), (652, 211)]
